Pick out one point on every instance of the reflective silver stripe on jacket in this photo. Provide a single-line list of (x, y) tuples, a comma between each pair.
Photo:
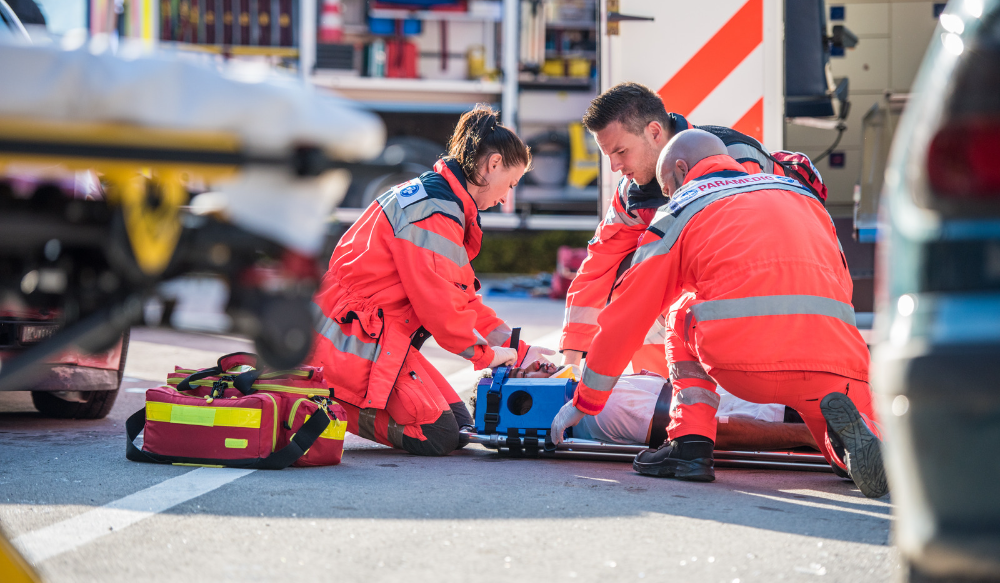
[(402, 220), (693, 396), (597, 381), (671, 226), (657, 332), (622, 218), (329, 328), (741, 151), (581, 315), (773, 306), (500, 335), (470, 352), (688, 369)]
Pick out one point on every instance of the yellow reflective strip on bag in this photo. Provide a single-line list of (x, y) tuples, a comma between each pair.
[(158, 411), (205, 416), (236, 443), (187, 415), (335, 430)]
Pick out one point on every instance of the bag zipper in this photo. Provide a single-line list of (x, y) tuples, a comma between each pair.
[(291, 416), (274, 434)]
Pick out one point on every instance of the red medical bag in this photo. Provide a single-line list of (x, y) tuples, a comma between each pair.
[(230, 416)]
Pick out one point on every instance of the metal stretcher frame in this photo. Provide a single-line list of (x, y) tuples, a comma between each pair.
[(585, 449)]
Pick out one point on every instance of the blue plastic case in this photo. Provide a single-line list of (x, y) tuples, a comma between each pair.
[(523, 403)]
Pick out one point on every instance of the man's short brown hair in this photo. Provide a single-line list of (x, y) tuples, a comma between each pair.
[(631, 104)]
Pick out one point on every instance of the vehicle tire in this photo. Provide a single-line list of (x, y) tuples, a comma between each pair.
[(286, 329), (93, 405)]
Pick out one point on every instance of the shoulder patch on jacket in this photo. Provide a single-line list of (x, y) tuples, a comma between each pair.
[(410, 192)]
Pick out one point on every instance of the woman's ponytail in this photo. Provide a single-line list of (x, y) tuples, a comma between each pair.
[(478, 135)]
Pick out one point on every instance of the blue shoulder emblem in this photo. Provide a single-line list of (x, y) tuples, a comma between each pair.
[(410, 192)]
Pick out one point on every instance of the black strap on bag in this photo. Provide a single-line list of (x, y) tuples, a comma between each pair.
[(284, 457), (661, 416), (185, 385), (242, 381)]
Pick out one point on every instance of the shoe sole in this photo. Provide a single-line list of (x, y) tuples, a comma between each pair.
[(696, 470), (863, 451)]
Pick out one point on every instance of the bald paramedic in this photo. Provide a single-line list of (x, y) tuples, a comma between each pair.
[(759, 296), (632, 126)]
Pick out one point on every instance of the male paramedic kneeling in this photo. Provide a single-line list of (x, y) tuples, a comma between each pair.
[(632, 127), (402, 273), (767, 315)]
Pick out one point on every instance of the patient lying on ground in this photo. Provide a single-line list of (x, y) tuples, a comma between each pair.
[(628, 415)]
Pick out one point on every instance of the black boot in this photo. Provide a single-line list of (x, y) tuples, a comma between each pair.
[(838, 451), (862, 450), (686, 458)]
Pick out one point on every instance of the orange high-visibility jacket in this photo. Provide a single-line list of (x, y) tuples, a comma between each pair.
[(401, 271), (632, 208), (771, 285)]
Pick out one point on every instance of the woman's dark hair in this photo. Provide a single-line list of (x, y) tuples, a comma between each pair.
[(631, 104), (478, 135)]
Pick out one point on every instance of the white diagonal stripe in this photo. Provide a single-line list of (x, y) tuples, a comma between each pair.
[(735, 95), (69, 534)]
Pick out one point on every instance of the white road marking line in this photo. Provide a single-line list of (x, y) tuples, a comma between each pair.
[(597, 479), (69, 534), (820, 505)]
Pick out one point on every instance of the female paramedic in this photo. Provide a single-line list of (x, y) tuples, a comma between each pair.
[(402, 273)]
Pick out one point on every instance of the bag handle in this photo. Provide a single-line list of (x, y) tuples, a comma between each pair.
[(234, 359), (224, 364), (281, 459)]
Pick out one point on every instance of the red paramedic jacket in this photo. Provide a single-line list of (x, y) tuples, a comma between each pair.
[(771, 286), (401, 271), (632, 208)]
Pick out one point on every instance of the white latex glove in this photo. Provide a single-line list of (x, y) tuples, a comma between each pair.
[(568, 416), (536, 353), (503, 356)]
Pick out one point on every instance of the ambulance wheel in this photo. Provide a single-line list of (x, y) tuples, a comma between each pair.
[(93, 404), (75, 404), (285, 335)]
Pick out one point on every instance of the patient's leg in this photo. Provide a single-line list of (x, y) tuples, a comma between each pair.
[(746, 433)]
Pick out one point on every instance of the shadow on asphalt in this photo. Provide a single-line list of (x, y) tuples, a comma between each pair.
[(375, 482), (477, 484)]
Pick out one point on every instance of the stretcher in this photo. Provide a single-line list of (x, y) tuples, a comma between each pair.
[(514, 417), (266, 158)]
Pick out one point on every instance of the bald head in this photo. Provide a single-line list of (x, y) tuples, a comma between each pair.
[(683, 151)]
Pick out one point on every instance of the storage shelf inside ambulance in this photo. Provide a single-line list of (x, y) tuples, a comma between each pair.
[(424, 95), (449, 15)]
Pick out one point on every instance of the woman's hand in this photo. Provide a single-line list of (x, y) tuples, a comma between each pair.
[(503, 356), (537, 354)]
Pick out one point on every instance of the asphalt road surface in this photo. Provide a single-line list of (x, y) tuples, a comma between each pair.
[(81, 512)]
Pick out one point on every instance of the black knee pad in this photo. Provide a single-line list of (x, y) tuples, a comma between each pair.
[(441, 437), (461, 413)]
